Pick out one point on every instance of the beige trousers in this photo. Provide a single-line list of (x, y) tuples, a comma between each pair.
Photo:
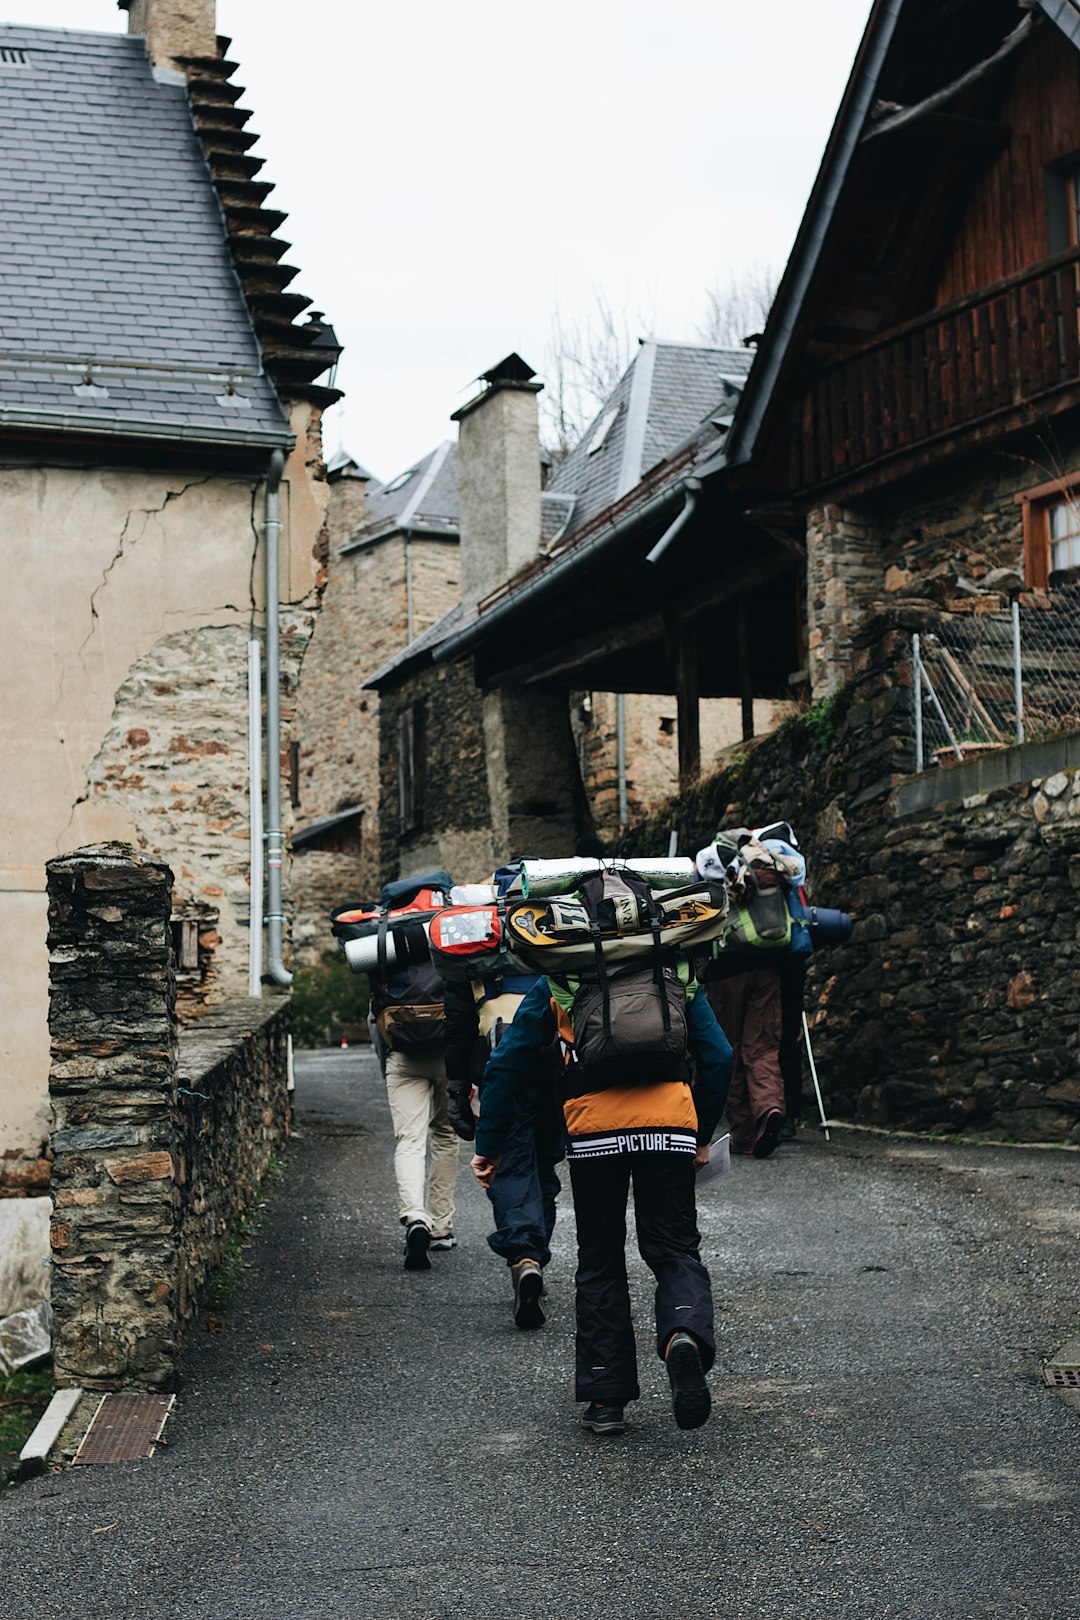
[(416, 1090)]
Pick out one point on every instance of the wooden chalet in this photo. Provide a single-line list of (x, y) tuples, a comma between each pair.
[(913, 410)]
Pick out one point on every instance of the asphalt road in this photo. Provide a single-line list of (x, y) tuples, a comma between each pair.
[(358, 1443)]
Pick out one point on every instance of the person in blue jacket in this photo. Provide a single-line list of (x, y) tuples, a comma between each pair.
[(654, 1135)]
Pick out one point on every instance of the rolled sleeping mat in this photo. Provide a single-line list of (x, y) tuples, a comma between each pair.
[(406, 946), (827, 926), (472, 894), (563, 876), (554, 935)]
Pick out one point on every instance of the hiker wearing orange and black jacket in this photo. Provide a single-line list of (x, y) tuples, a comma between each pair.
[(655, 1135)]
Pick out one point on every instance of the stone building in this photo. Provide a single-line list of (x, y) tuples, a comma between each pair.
[(392, 572), (160, 413)]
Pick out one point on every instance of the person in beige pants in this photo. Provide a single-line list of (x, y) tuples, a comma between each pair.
[(416, 1089)]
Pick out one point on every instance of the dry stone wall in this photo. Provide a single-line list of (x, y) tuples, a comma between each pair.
[(153, 1164)]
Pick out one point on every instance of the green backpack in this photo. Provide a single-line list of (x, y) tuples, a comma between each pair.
[(759, 918)]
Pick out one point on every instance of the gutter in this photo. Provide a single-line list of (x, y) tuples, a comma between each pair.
[(275, 919), (543, 584), (764, 374), (136, 428)]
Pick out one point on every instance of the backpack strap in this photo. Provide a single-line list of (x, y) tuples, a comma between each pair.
[(384, 923), (658, 966), (601, 973)]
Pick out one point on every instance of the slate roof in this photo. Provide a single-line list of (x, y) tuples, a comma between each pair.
[(422, 498), (115, 253), (666, 392)]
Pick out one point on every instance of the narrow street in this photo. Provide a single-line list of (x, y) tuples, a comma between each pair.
[(357, 1443)]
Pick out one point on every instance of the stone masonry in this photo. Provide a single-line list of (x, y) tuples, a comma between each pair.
[(149, 1176), (956, 1005), (914, 542)]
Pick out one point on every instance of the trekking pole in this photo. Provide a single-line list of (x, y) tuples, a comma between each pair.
[(813, 1071)]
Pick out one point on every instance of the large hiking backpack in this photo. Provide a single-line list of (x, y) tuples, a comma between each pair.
[(628, 1019), (558, 934), (758, 883), (409, 1008), (390, 946)]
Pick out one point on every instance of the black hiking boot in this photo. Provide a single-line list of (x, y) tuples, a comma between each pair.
[(603, 1418), (528, 1293), (690, 1400), (768, 1134), (417, 1243)]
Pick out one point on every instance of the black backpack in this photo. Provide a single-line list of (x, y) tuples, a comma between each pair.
[(629, 1021)]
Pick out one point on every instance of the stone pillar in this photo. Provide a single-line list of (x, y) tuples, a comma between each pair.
[(534, 782), (112, 1022), (844, 583)]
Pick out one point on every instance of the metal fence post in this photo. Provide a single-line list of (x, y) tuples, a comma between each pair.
[(1018, 674), (916, 670)]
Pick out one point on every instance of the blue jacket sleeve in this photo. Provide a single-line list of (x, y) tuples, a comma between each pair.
[(712, 1053), (512, 1062)]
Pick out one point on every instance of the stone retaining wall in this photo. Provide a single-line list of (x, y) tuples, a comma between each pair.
[(159, 1142), (956, 1004)]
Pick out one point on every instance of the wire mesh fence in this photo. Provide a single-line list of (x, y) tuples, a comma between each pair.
[(987, 679)]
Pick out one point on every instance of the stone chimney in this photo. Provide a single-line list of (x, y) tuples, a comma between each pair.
[(498, 479), (535, 797), (173, 28)]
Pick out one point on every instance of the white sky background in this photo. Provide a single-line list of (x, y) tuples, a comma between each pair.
[(453, 171)]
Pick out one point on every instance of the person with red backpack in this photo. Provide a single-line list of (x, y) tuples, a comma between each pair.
[(409, 1016), (631, 1034)]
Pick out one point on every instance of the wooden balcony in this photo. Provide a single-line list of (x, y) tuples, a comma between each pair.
[(980, 360)]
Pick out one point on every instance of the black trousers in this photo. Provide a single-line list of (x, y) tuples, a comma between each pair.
[(668, 1241)]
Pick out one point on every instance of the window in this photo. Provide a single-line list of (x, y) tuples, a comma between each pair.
[(607, 422), (1063, 204), (411, 768), (1051, 529), (1063, 534)]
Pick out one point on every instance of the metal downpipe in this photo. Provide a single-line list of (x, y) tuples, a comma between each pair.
[(692, 487), (275, 918)]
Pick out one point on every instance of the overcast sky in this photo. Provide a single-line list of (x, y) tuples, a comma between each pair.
[(454, 171)]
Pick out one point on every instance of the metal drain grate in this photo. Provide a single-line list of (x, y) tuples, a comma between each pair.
[(1062, 1377), (125, 1428)]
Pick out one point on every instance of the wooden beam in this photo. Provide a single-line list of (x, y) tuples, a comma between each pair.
[(580, 656), (941, 98), (689, 713), (746, 683)]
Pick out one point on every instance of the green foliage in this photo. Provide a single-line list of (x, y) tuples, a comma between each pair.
[(823, 721), (23, 1398), (326, 1000)]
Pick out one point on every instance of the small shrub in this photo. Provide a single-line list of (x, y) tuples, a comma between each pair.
[(326, 1000), (23, 1398)]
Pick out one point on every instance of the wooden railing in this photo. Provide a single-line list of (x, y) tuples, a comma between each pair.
[(967, 362)]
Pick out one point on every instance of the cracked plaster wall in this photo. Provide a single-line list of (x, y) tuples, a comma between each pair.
[(130, 598)]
